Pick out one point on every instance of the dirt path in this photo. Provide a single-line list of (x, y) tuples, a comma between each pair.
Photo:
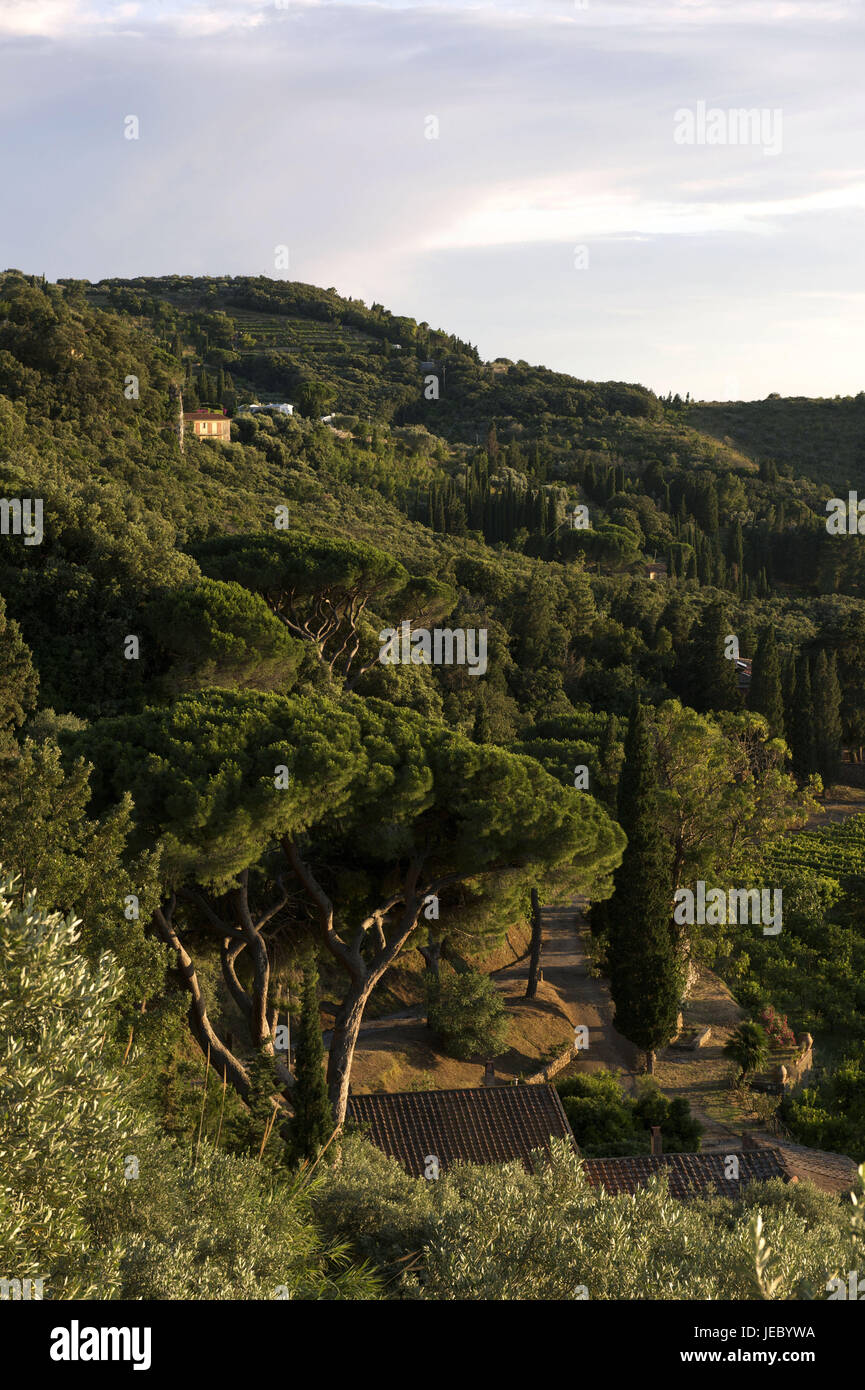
[(398, 1051), (840, 802), (566, 966)]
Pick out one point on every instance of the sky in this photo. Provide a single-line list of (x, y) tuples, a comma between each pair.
[(561, 181)]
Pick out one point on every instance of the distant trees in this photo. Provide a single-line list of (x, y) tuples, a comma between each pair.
[(765, 693), (826, 695), (19, 680), (314, 398), (816, 728), (645, 976), (710, 675), (321, 589), (802, 739)]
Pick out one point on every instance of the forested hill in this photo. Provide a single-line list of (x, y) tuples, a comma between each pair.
[(204, 750), (465, 471), (820, 439)]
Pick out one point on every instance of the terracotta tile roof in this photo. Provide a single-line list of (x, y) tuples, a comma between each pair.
[(689, 1175), (204, 415), (490, 1124), (830, 1172)]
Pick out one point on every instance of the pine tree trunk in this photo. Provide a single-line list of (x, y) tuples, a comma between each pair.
[(432, 957), (535, 957), (342, 1044)]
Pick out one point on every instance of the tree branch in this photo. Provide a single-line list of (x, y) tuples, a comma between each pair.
[(223, 1061), (351, 959)]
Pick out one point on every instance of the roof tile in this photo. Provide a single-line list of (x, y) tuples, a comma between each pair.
[(494, 1124)]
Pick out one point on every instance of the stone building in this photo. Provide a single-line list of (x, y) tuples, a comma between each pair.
[(207, 424)]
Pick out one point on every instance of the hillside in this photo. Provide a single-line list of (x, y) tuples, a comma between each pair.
[(307, 723), (818, 439)]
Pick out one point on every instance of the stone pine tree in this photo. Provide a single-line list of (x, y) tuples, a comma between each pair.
[(645, 979), (826, 695), (765, 695), (312, 1125), (802, 725)]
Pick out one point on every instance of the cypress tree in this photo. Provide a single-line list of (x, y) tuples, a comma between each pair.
[(645, 979), (736, 558), (492, 443), (827, 717), (482, 731), (608, 761), (802, 726), (788, 689), (712, 682), (765, 695), (312, 1125)]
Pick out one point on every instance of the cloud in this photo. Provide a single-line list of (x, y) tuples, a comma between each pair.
[(57, 19), (306, 126), (523, 215)]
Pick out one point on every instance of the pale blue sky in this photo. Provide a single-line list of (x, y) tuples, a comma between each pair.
[(715, 268)]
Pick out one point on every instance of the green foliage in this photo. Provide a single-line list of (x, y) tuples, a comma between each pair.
[(18, 681), (711, 678), (203, 775), (215, 634), (831, 1114), (467, 1012), (645, 980), (500, 1233), (606, 1122), (81, 863), (91, 1197), (764, 694), (312, 1125), (473, 778), (748, 1047), (63, 1120)]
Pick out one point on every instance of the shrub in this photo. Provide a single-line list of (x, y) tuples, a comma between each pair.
[(93, 1199), (501, 1233), (468, 1014), (748, 1047), (777, 1029), (608, 1123)]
